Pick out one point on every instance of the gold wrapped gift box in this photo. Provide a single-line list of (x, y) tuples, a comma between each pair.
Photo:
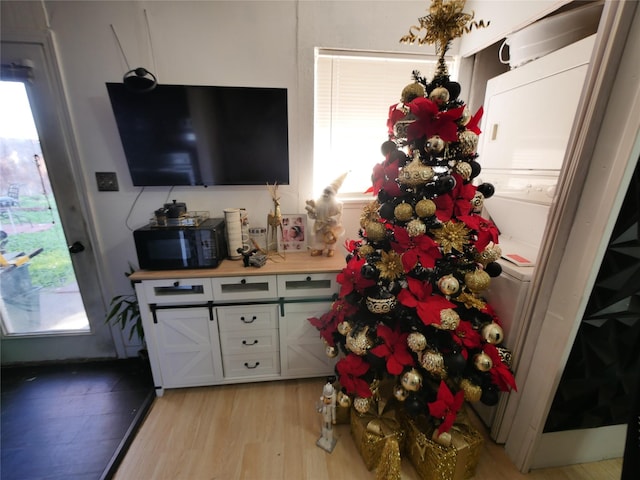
[(379, 439), (433, 461)]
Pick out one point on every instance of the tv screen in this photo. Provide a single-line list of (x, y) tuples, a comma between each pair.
[(203, 135)]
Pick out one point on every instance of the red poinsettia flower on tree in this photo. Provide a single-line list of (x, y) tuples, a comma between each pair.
[(466, 336), (328, 323), (446, 407), (429, 309), (474, 123), (500, 373), (416, 292), (457, 202), (351, 279), (350, 370), (421, 248), (431, 121), (384, 177), (486, 230), (394, 349)]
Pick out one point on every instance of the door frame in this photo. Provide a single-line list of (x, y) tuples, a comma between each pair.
[(600, 160), (58, 144)]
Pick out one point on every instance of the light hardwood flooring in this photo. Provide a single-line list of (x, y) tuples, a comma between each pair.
[(267, 431)]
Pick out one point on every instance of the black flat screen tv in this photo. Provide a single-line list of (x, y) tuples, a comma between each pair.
[(203, 135)]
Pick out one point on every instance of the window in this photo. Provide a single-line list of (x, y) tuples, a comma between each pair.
[(353, 93)]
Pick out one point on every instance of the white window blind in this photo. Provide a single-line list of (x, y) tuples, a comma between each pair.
[(353, 93)]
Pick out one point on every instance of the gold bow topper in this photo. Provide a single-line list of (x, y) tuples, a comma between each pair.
[(445, 21)]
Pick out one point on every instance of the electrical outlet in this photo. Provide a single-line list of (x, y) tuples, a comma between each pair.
[(107, 181)]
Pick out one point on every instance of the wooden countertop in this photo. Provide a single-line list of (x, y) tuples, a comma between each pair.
[(293, 263)]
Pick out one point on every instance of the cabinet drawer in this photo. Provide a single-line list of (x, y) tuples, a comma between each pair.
[(245, 288), (247, 318), (178, 290), (257, 341), (307, 285), (251, 364)]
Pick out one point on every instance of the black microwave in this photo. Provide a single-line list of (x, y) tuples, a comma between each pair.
[(181, 247)]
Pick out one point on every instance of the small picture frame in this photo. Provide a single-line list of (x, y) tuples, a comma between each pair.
[(294, 233)]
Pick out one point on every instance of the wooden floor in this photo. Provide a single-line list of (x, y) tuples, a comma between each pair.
[(268, 431)]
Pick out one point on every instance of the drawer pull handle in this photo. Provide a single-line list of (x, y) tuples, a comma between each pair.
[(246, 364), (243, 281), (253, 319), (308, 279), (176, 283), (244, 342)]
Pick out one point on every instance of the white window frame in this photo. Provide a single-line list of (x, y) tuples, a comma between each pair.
[(352, 94)]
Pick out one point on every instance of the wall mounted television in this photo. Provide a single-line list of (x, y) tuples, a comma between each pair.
[(203, 135)]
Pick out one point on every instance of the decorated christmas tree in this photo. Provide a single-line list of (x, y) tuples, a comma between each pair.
[(411, 311)]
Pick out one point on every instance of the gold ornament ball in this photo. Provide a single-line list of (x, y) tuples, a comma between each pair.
[(416, 342), (464, 169), (443, 438), (425, 208), (477, 281), (448, 284), (493, 333), (412, 380), (472, 392), (343, 400), (344, 328), (439, 95), (434, 145), (411, 92), (376, 231), (331, 352), (416, 228), (365, 250), (361, 404), (449, 319), (400, 393), (403, 212), (482, 362), (359, 343), (433, 362), (468, 142), (466, 117)]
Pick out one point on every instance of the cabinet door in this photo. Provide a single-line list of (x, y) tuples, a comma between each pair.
[(188, 347), (302, 351)]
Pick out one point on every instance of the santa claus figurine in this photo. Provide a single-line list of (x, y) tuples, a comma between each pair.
[(327, 213)]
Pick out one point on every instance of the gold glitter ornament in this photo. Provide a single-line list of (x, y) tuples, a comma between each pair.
[(330, 351), (464, 169), (434, 145), (472, 392), (492, 333), (344, 328), (416, 228), (452, 235), (448, 284), (477, 281), (415, 173), (449, 319), (411, 92), (425, 208), (439, 95), (488, 255), (416, 341), (390, 265), (361, 404), (482, 362), (403, 212), (359, 342), (343, 400), (412, 380), (369, 213), (433, 362), (468, 142), (400, 393), (375, 231), (365, 250)]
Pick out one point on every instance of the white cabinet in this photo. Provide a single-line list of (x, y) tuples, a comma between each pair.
[(231, 325)]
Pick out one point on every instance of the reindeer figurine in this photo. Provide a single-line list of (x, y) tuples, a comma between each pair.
[(274, 218)]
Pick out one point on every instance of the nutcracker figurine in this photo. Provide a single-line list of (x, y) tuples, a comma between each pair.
[(327, 407)]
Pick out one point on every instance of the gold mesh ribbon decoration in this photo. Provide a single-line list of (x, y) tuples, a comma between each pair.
[(433, 461), (445, 21)]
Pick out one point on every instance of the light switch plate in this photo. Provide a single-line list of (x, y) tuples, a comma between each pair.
[(107, 181)]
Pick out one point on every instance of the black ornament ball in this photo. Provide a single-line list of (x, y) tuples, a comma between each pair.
[(387, 147), (413, 405), (454, 90), (383, 196), (494, 269), (455, 363), (490, 395), (386, 210), (445, 184), (475, 168), (486, 189), (369, 271)]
